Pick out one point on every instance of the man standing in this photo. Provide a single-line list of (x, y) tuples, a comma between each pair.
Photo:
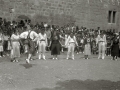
[(71, 42), (101, 41), (31, 37), (42, 43), (119, 44)]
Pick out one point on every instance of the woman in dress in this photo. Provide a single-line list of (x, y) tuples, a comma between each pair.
[(115, 49), (15, 51), (1, 44), (55, 44)]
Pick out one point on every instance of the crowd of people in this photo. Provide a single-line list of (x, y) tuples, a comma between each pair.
[(17, 38)]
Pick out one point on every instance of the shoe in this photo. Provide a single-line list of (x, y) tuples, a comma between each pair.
[(0, 56), (67, 58), (87, 58), (31, 59), (115, 59), (73, 59), (16, 60), (3, 55), (13, 61), (98, 57), (26, 51), (27, 61), (39, 57), (103, 58), (44, 58), (53, 58), (56, 58)]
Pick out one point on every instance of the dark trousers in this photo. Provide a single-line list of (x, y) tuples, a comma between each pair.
[(108, 51), (119, 53), (5, 45)]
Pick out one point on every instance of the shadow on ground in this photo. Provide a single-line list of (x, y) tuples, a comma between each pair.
[(27, 66), (85, 85)]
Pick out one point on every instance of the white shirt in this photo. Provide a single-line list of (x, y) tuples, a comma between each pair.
[(103, 39), (33, 35), (71, 40), (42, 37)]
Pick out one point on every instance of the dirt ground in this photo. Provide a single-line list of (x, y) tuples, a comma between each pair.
[(62, 74)]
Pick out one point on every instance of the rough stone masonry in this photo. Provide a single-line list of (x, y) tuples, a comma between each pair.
[(88, 13)]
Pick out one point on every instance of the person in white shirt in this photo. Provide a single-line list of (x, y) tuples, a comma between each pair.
[(71, 42), (42, 43), (31, 37), (101, 41)]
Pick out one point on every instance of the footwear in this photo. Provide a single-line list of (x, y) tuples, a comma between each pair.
[(98, 57), (39, 57), (87, 58), (73, 59), (56, 58), (13, 61), (44, 57), (3, 56), (0, 56), (67, 58), (103, 58), (115, 59), (16, 60), (31, 59), (27, 61), (53, 58)]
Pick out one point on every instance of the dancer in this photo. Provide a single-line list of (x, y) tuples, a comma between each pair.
[(101, 41), (31, 37), (71, 42), (55, 44), (42, 43)]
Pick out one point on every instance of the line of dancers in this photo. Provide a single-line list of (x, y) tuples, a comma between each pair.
[(53, 41)]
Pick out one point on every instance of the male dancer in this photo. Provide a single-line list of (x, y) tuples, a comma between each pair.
[(101, 41), (71, 42), (30, 36), (42, 43)]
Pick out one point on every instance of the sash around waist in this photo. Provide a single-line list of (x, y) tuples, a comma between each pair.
[(15, 40), (42, 40)]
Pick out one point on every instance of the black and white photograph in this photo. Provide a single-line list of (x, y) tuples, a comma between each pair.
[(59, 44)]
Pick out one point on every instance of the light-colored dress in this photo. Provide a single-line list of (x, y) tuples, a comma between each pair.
[(15, 51), (87, 50), (1, 43)]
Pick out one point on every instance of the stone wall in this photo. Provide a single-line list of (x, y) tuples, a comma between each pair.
[(88, 13)]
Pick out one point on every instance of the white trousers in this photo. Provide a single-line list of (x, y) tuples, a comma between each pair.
[(71, 48), (41, 47), (102, 50)]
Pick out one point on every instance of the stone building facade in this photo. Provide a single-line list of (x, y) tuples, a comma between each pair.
[(88, 13)]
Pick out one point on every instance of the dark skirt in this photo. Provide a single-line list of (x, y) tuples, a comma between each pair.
[(115, 50), (55, 49), (31, 49)]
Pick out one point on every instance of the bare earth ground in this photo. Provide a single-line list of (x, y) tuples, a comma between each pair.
[(62, 74)]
